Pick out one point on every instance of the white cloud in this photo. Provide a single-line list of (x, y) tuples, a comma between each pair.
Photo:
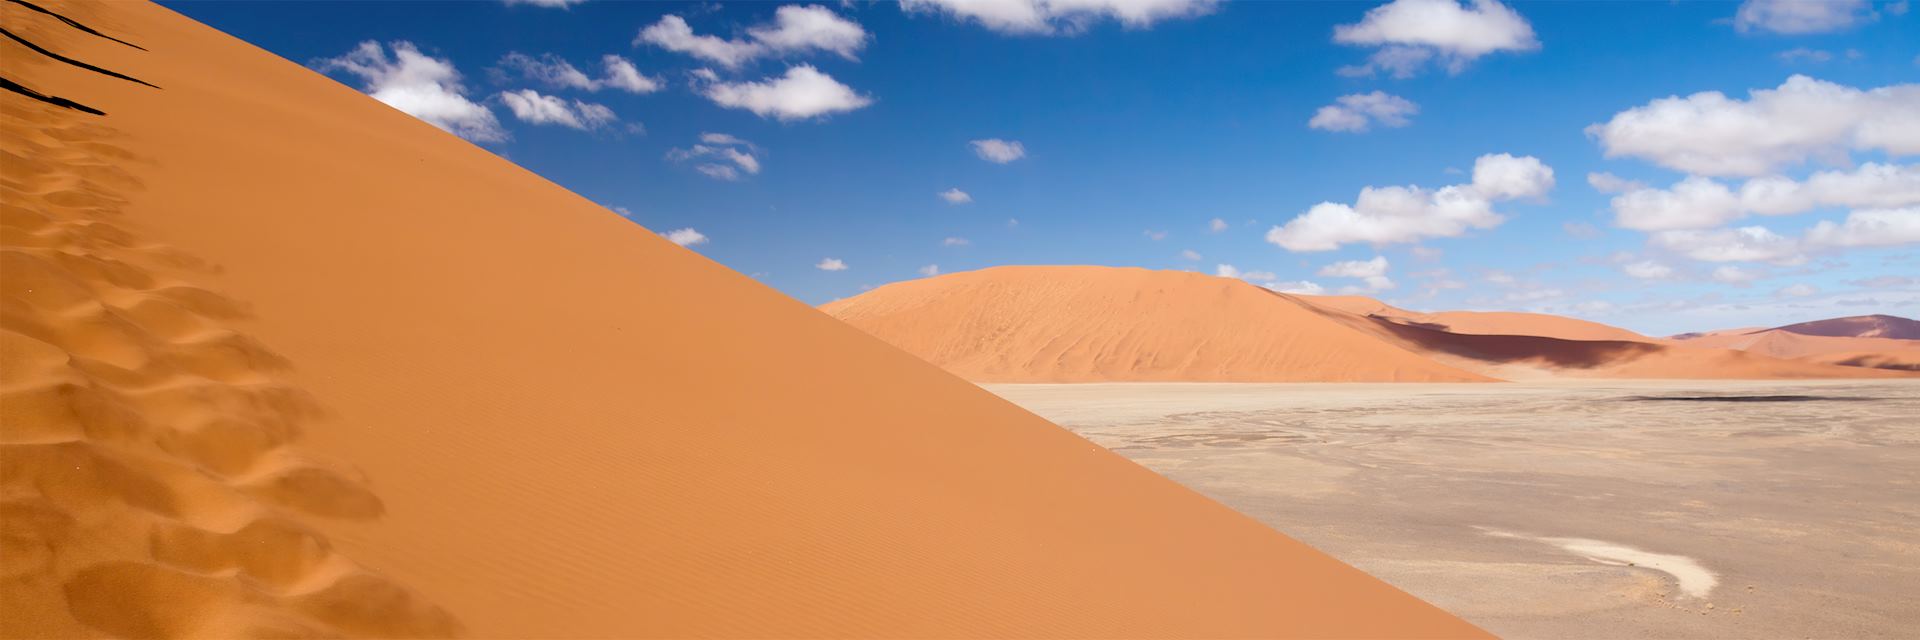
[(1412, 32), (1502, 176), (1734, 275), (424, 87), (1155, 236), (533, 108), (686, 237), (1189, 254), (1604, 182), (1045, 17), (1356, 113), (804, 92), (955, 242), (930, 270), (1743, 244), (1217, 225), (1229, 271), (999, 151), (1648, 270), (831, 264), (1426, 253), (720, 156), (554, 72), (621, 74), (1708, 133), (1383, 215), (1794, 17), (795, 29), (1699, 203), (1868, 228), (955, 196), (1373, 272), (1800, 290), (1580, 230)]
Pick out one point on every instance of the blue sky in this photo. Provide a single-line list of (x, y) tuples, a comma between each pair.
[(786, 135)]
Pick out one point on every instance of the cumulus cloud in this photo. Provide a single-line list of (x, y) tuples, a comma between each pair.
[(1356, 113), (1803, 54), (1708, 133), (1189, 254), (1049, 17), (1647, 270), (719, 156), (1384, 215), (1743, 244), (1698, 203), (831, 264), (999, 151), (804, 92), (1373, 272), (1798, 17), (533, 108), (955, 196), (686, 237), (1409, 33), (795, 29), (930, 270), (1217, 225), (555, 72), (1868, 228), (1154, 235), (423, 86), (956, 241), (1608, 183)]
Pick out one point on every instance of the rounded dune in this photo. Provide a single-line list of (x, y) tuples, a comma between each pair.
[(1114, 324)]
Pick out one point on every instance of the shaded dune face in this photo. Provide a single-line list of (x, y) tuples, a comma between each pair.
[(1874, 326), (276, 360), (1103, 324)]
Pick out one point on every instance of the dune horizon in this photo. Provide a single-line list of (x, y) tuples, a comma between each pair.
[(1013, 324), (284, 361)]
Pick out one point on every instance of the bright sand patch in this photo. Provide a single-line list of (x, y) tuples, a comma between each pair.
[(1694, 580)]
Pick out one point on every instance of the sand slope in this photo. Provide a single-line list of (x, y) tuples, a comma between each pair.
[(279, 360), (1088, 324), (1873, 326)]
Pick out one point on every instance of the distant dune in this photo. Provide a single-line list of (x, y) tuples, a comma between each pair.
[(1858, 341), (1109, 324), (1874, 326), (282, 361)]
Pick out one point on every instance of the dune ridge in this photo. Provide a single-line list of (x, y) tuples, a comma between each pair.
[(282, 361)]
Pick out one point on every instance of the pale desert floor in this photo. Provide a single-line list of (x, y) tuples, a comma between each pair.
[(1564, 510)]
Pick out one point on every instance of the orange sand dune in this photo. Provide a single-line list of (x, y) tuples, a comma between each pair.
[(1878, 353), (1099, 324), (1908, 360), (1481, 322), (1085, 324), (280, 360), (1874, 326)]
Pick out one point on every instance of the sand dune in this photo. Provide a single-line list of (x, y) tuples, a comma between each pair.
[(1873, 326), (1106, 324), (282, 361), (1087, 324), (1482, 322)]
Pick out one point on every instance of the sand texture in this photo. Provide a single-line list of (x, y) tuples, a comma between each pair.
[(1568, 509), (282, 361)]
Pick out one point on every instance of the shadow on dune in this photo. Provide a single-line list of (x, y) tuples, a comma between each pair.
[(1575, 354), (72, 23), (52, 100)]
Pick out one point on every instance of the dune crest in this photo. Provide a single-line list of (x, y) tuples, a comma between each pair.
[(283, 361)]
